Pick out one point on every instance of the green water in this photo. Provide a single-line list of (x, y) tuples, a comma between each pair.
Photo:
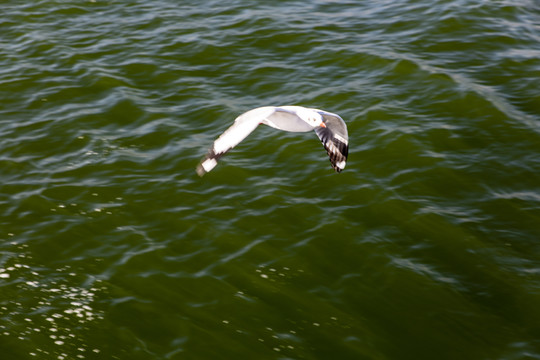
[(427, 246)]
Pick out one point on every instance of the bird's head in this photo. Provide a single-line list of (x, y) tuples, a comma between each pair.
[(315, 119)]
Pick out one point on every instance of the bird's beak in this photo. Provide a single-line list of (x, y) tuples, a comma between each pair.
[(322, 125)]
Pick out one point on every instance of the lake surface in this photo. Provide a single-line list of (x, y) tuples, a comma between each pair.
[(427, 246)]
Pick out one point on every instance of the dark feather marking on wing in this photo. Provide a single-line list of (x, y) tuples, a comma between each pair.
[(213, 155), (336, 149)]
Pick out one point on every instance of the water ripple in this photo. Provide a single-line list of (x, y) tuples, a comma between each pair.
[(113, 247)]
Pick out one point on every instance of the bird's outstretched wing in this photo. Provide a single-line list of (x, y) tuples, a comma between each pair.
[(335, 139), (239, 130)]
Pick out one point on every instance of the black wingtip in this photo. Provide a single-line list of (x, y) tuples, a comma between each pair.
[(208, 162), (200, 170)]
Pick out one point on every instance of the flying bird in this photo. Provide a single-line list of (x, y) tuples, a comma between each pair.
[(329, 127)]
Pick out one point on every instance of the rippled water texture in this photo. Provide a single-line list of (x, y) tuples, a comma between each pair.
[(427, 246)]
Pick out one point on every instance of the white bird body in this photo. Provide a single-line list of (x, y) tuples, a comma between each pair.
[(330, 128)]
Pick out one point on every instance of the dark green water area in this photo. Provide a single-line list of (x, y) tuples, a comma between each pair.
[(427, 245)]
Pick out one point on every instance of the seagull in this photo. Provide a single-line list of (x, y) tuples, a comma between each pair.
[(329, 127)]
